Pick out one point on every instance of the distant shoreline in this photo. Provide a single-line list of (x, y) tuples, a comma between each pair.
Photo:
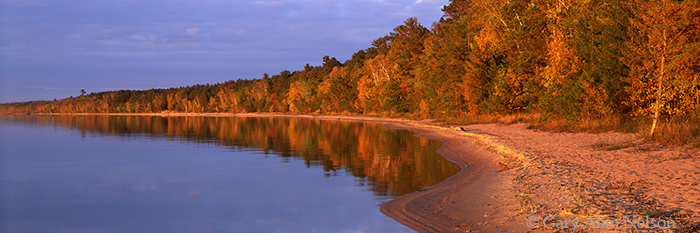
[(176, 114)]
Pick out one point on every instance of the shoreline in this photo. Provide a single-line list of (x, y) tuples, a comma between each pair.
[(174, 114), (480, 198), (569, 176)]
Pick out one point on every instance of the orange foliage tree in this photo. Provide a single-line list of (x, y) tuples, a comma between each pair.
[(664, 49)]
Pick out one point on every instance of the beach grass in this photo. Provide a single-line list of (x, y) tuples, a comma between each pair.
[(678, 131)]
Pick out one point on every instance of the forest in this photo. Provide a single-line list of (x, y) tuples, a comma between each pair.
[(572, 65)]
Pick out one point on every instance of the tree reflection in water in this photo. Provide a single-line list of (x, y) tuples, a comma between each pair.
[(389, 162)]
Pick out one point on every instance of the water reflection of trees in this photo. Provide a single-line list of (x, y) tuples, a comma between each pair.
[(390, 162)]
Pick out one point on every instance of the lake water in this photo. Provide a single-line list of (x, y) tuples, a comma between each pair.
[(207, 174)]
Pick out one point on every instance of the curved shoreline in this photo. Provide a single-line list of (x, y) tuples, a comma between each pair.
[(567, 176), (478, 198)]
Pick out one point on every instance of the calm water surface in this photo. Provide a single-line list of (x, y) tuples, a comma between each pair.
[(207, 174)]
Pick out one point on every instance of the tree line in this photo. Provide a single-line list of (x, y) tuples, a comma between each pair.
[(559, 58)]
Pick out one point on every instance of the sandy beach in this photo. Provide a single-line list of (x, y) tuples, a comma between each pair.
[(558, 177), (563, 177)]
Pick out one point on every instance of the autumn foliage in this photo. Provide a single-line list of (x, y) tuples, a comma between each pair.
[(560, 59)]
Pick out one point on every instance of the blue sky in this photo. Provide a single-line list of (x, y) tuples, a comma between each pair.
[(53, 48)]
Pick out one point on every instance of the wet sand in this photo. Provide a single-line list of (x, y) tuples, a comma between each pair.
[(480, 198), (569, 176)]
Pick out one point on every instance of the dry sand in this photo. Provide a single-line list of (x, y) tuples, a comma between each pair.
[(570, 176), (610, 175)]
